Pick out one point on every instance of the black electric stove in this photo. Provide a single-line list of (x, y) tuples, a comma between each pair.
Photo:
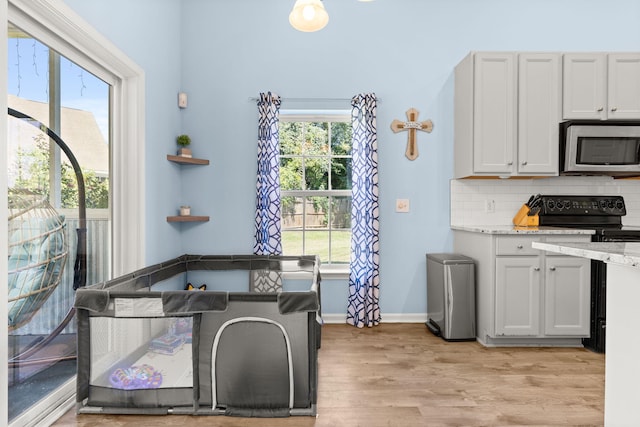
[(603, 214)]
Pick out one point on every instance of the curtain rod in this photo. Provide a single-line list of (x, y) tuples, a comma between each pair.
[(254, 99)]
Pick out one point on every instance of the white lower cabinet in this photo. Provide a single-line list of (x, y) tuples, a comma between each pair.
[(525, 296), (567, 296), (518, 283), (556, 287)]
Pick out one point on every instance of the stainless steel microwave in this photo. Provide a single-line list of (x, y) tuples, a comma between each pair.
[(600, 148)]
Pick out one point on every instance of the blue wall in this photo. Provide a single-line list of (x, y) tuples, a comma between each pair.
[(223, 52)]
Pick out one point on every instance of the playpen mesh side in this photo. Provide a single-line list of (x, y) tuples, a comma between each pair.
[(149, 365), (265, 281)]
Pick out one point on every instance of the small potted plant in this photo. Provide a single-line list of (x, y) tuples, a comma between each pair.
[(184, 141)]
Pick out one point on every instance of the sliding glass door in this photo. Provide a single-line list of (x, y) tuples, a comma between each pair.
[(59, 214)]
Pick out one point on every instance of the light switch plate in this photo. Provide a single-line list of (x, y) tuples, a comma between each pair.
[(402, 205)]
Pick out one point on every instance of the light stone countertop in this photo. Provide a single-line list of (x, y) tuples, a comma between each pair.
[(621, 253), (512, 229)]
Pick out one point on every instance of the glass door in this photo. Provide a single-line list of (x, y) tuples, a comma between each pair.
[(53, 225)]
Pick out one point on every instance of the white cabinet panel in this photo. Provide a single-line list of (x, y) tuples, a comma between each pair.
[(567, 296), (584, 86), (517, 296), (539, 103), (494, 112), (624, 86)]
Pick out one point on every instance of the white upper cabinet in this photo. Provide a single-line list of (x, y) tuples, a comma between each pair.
[(507, 109), (494, 108), (601, 86), (539, 104), (624, 86), (584, 83)]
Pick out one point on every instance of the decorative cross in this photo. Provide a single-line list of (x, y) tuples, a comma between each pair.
[(412, 125)]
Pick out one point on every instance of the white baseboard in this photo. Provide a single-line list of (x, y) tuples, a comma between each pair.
[(336, 318)]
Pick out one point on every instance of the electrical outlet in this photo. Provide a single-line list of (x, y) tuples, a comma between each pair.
[(489, 206), (402, 205)]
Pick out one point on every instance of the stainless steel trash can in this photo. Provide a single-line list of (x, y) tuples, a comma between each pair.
[(451, 296)]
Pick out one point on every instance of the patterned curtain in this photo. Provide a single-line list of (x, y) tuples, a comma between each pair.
[(364, 280), (268, 234)]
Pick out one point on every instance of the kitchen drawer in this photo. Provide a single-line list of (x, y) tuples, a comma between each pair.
[(516, 245), (573, 238)]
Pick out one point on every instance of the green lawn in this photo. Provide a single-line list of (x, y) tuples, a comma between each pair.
[(317, 243)]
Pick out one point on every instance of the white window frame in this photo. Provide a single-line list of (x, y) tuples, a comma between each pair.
[(59, 27), (328, 271)]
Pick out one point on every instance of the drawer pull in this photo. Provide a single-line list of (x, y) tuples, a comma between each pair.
[(552, 268), (536, 268), (519, 246)]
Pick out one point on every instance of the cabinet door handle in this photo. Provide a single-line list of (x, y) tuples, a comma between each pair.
[(552, 268), (524, 163), (536, 268), (601, 109), (614, 109), (509, 163)]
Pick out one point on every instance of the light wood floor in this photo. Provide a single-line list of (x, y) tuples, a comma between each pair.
[(401, 375)]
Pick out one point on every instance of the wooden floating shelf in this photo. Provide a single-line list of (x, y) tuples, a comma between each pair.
[(187, 218), (187, 160)]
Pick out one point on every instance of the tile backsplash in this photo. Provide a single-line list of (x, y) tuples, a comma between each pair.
[(496, 201)]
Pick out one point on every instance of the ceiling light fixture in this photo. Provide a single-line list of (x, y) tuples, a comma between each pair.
[(308, 15)]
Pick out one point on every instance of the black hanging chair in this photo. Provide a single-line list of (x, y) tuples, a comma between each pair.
[(38, 253)]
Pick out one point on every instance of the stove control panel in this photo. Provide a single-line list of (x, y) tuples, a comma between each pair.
[(582, 205)]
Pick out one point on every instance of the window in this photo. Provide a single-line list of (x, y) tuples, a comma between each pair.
[(315, 183)]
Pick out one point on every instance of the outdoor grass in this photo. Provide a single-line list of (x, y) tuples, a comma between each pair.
[(317, 243)]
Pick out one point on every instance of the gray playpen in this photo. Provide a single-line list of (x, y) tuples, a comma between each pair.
[(247, 346)]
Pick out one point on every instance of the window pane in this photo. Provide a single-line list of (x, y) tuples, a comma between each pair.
[(291, 137), (292, 213), (316, 212), (292, 242), (291, 173), (317, 243), (316, 139), (341, 174), (316, 173), (341, 213), (340, 246), (340, 138)]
